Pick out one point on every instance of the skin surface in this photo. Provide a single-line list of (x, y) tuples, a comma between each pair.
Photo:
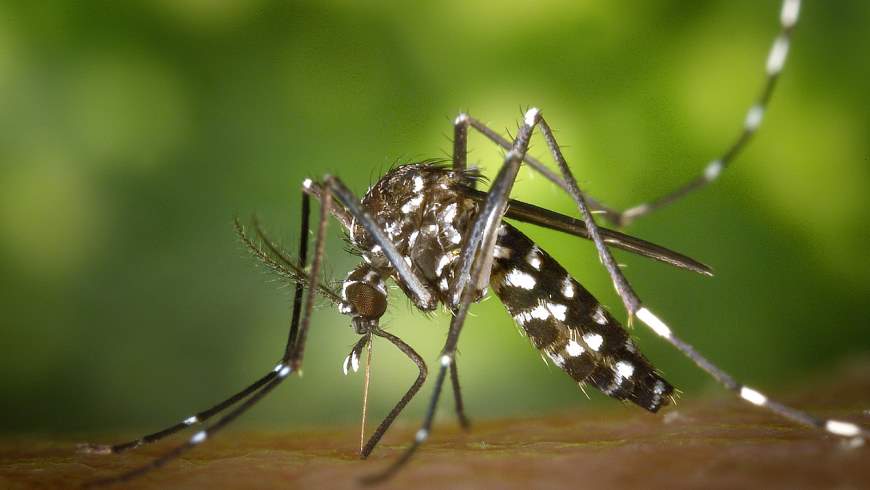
[(712, 443)]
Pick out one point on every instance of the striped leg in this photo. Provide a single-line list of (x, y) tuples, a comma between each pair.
[(835, 427), (773, 67), (476, 263), (291, 361), (457, 397), (754, 116), (635, 308), (205, 415), (412, 391)]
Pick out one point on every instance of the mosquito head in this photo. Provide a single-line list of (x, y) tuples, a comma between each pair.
[(364, 297)]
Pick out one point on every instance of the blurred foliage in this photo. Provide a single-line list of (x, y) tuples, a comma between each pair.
[(131, 134)]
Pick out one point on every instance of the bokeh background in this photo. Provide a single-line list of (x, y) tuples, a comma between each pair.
[(132, 133)]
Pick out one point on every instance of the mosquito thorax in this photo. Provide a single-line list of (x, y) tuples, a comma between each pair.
[(423, 210)]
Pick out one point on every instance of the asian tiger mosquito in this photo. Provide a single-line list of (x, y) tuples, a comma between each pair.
[(427, 227)]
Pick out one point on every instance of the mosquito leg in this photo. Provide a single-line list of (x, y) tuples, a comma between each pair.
[(197, 438), (635, 307), (192, 420), (460, 142), (490, 216), (303, 255), (457, 397), (468, 121), (295, 355), (204, 415), (623, 288), (291, 361), (476, 258), (412, 391), (835, 427), (419, 438), (773, 67)]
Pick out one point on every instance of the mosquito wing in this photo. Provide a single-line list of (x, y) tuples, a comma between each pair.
[(529, 213)]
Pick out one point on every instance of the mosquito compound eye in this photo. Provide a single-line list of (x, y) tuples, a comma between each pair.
[(367, 301)]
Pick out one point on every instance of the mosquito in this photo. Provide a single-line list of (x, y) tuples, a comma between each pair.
[(426, 227)]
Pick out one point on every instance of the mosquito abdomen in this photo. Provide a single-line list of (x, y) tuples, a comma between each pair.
[(565, 322)]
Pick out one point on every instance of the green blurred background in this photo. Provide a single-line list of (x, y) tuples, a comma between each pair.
[(132, 133)]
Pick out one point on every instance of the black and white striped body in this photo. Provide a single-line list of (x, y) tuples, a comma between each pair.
[(425, 212), (569, 325)]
